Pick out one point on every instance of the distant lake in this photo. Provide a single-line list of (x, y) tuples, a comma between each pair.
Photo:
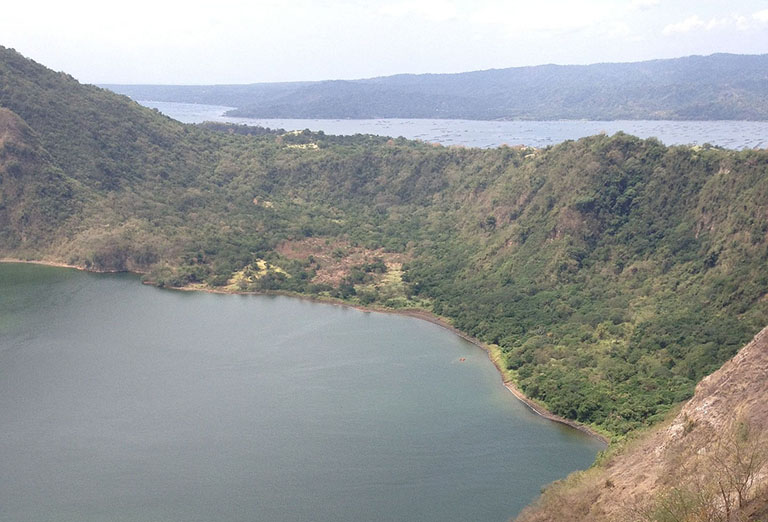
[(486, 134), (124, 402)]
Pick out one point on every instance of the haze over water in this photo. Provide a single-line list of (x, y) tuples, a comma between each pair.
[(125, 402), (487, 134)]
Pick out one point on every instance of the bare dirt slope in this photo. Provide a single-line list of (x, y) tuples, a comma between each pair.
[(710, 463)]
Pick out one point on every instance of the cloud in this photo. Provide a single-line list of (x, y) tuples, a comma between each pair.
[(694, 23), (432, 10), (761, 16), (526, 17), (618, 30), (643, 4), (686, 26)]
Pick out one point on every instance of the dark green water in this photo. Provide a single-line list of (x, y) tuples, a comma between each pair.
[(123, 402)]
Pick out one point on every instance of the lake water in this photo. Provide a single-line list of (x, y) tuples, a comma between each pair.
[(473, 133), (125, 402)]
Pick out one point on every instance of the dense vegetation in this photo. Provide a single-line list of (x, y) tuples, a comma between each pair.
[(612, 272), (716, 87)]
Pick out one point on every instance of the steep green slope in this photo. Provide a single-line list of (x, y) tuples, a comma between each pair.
[(35, 196), (612, 272), (104, 140)]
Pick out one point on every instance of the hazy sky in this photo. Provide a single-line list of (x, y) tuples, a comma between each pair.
[(233, 41)]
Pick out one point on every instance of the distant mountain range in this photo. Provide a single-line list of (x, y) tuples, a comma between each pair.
[(715, 87)]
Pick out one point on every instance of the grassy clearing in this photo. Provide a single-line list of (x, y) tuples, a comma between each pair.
[(241, 279)]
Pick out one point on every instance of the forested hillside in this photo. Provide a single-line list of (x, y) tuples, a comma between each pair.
[(613, 273), (716, 87)]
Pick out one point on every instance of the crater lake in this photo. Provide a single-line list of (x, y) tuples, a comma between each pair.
[(125, 402)]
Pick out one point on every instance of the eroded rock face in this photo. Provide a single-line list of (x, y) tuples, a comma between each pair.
[(708, 444)]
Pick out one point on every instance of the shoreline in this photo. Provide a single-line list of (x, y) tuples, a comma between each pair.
[(59, 264), (416, 313), (507, 383), (44, 263)]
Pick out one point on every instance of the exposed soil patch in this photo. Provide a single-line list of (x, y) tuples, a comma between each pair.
[(333, 260)]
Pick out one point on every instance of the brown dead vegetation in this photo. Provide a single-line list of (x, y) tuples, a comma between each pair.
[(333, 260)]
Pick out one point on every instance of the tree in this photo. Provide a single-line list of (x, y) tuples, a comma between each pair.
[(723, 481), (737, 460)]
